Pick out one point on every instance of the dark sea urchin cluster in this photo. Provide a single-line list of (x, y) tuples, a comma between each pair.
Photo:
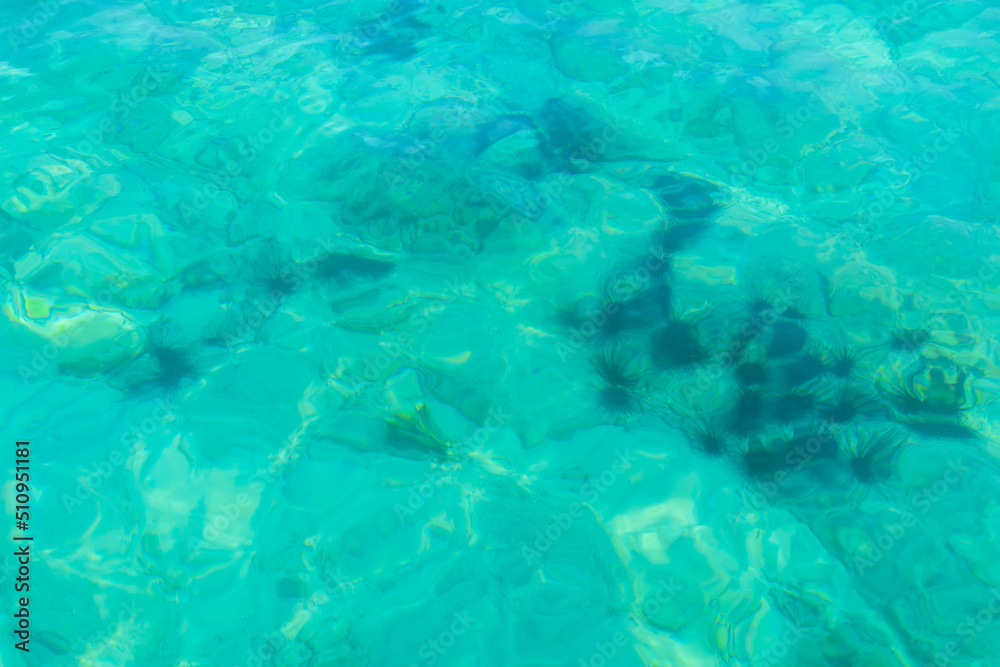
[(783, 378), (633, 310)]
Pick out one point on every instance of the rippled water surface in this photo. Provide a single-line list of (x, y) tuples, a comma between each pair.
[(584, 333)]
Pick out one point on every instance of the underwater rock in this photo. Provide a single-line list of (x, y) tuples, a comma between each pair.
[(572, 138), (49, 190), (132, 230), (862, 292), (931, 386), (514, 197), (82, 265), (628, 214), (79, 339)]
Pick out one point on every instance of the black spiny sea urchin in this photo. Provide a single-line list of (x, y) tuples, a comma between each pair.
[(710, 440), (869, 459), (616, 393)]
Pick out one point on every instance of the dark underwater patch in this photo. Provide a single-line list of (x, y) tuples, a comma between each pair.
[(847, 404), (908, 340), (392, 35), (842, 363), (618, 313), (759, 461), (748, 413), (806, 447), (167, 365), (344, 268), (750, 373), (687, 199), (270, 271), (394, 48), (802, 370), (570, 138), (681, 236), (792, 406), (787, 338), (676, 345), (710, 440), (953, 430)]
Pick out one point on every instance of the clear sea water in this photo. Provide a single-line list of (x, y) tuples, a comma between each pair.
[(583, 333)]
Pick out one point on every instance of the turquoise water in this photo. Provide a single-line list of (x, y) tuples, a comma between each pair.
[(581, 333)]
